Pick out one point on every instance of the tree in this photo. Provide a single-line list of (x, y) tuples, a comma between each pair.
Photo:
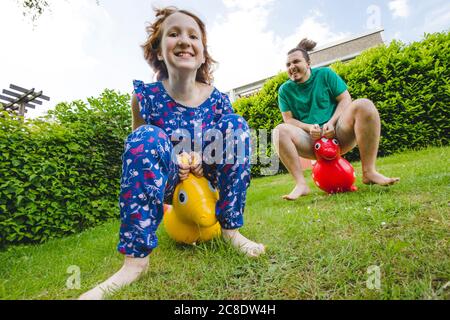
[(35, 8)]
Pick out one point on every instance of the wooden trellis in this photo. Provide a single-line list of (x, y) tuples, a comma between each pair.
[(18, 99)]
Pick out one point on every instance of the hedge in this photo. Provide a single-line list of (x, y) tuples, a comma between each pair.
[(409, 84), (61, 174)]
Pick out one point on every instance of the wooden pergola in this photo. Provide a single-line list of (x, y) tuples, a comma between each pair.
[(18, 99)]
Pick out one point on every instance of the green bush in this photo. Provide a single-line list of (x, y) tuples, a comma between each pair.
[(409, 84), (107, 117), (261, 112), (61, 174)]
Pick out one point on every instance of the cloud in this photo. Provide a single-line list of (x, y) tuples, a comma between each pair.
[(399, 8), (240, 41), (397, 36), (246, 47), (438, 20), (313, 29), (248, 4)]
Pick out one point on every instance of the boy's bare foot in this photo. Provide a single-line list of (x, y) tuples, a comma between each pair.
[(130, 271), (299, 190), (250, 248), (377, 178)]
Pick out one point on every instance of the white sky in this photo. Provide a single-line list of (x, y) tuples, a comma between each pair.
[(79, 48)]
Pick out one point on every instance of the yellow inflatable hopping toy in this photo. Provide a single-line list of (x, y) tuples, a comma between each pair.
[(192, 216)]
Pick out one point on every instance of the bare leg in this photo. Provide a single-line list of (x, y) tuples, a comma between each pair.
[(290, 142), (237, 240), (130, 272), (361, 122)]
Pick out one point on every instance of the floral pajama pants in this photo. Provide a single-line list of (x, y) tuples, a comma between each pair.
[(149, 178)]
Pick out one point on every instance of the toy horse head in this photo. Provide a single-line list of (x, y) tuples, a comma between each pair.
[(192, 216), (327, 149), (332, 173), (194, 201)]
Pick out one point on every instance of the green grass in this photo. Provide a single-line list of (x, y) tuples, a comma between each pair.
[(319, 247)]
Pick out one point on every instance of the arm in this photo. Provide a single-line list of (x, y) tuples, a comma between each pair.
[(313, 129), (137, 119), (288, 118), (344, 100)]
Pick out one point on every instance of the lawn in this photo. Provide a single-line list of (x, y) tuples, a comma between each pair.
[(318, 247)]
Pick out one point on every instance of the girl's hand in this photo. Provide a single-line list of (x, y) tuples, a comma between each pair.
[(196, 164), (315, 132), (328, 130), (184, 164)]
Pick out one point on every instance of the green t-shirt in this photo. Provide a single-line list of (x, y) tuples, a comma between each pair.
[(313, 101)]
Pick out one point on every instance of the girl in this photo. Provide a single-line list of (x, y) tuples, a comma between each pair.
[(181, 104)]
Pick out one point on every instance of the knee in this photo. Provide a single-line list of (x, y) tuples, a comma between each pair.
[(281, 132), (282, 128), (145, 139), (365, 107), (148, 134), (149, 130), (233, 121)]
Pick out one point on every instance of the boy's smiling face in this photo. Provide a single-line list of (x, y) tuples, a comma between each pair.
[(297, 67)]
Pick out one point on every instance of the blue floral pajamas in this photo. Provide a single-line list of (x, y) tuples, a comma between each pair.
[(150, 174)]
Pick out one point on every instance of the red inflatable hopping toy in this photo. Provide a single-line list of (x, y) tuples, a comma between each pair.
[(332, 173)]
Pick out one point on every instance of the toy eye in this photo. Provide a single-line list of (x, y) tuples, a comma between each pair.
[(182, 197), (211, 187), (317, 146), (335, 142)]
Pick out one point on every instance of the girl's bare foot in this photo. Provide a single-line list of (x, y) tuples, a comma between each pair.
[(299, 190), (237, 240), (377, 178), (130, 272)]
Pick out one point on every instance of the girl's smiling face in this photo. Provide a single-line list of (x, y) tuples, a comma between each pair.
[(181, 47)]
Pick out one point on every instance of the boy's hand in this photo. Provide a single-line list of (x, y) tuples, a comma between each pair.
[(315, 132), (328, 130)]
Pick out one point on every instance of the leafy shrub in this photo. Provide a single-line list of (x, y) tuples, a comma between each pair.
[(61, 175), (409, 84), (261, 112)]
